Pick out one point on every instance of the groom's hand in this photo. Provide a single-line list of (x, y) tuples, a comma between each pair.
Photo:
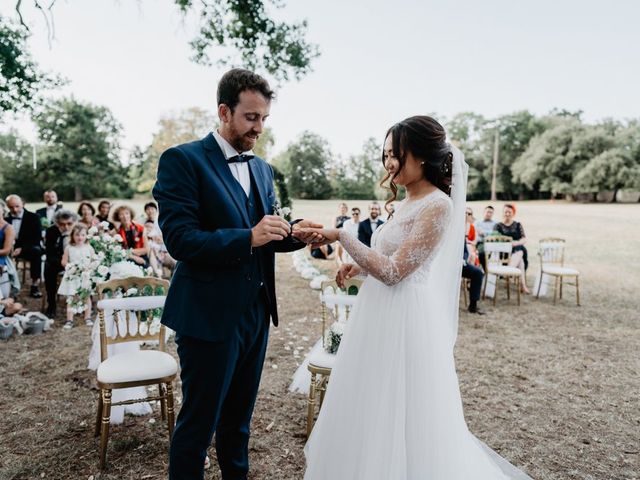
[(271, 228)]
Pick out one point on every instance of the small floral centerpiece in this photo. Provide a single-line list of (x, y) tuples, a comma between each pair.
[(333, 336)]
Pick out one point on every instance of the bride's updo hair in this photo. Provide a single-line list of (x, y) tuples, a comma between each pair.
[(425, 138)]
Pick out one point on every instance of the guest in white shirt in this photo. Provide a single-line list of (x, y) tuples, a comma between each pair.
[(484, 228)]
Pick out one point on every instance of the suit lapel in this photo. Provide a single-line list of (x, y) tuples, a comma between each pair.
[(220, 166), (256, 175)]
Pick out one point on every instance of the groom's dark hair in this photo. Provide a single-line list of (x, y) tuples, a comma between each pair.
[(236, 81)]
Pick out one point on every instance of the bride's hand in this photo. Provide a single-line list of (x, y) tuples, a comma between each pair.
[(346, 271), (328, 235)]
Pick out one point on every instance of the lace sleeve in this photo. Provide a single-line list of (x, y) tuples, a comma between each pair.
[(419, 246)]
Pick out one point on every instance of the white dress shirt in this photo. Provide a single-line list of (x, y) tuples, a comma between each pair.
[(351, 227), (51, 212), (239, 170), (16, 222)]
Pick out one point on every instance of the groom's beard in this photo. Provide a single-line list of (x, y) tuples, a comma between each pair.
[(244, 142)]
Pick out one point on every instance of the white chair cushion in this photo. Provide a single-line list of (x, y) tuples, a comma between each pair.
[(322, 359), (558, 270), (132, 303), (503, 270), (137, 366)]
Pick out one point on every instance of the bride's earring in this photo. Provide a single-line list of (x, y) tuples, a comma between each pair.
[(421, 163)]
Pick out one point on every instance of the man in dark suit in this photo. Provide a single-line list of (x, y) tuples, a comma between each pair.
[(55, 241), (217, 202), (28, 243), (368, 226), (48, 212)]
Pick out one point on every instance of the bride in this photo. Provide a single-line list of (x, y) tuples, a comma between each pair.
[(392, 409)]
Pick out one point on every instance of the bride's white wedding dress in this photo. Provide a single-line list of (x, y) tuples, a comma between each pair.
[(393, 409)]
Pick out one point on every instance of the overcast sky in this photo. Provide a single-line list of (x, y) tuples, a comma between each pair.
[(380, 61)]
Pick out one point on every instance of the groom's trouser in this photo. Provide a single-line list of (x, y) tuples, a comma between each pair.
[(219, 387)]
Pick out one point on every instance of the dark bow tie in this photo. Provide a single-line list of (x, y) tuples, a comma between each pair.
[(239, 158)]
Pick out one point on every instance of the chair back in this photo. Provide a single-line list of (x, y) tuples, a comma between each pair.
[(133, 304), (331, 300), (551, 251), (497, 249)]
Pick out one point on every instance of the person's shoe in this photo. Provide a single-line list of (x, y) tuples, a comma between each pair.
[(35, 292), (88, 322), (476, 310), (51, 312), (68, 325)]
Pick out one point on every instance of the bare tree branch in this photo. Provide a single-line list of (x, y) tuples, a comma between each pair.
[(18, 5)]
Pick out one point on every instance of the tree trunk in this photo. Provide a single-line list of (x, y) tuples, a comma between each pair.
[(77, 193)]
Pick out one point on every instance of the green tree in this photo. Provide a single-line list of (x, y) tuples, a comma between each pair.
[(358, 176), (174, 128), (309, 161), (20, 77), (16, 167), (80, 157), (612, 170), (245, 29)]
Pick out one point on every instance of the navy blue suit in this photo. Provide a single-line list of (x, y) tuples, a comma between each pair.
[(221, 298)]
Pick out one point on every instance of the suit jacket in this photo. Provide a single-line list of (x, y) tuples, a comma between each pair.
[(54, 247), (206, 227), (30, 230), (364, 231), (42, 212)]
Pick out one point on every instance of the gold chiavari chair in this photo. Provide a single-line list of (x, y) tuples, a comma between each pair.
[(497, 249), (132, 321), (321, 363), (551, 253)]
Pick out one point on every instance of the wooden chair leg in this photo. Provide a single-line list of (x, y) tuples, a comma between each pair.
[(484, 286), (311, 404), (170, 409), (495, 290), (555, 290), (106, 417), (508, 280), (323, 389), (163, 401), (561, 282), (577, 291), (99, 415), (517, 282)]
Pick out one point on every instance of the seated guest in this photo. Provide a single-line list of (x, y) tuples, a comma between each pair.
[(342, 217), (47, 213), (9, 307), (351, 225), (55, 241), (368, 226), (104, 207), (133, 235), (471, 239), (151, 212), (86, 214), (324, 252), (158, 255), (28, 242), (511, 228), (7, 236), (475, 275), (484, 228)]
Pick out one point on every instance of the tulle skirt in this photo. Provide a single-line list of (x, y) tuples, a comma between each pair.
[(393, 409)]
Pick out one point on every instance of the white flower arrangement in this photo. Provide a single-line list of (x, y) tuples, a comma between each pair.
[(333, 337), (108, 262)]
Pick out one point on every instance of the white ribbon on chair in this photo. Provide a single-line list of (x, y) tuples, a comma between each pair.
[(122, 394)]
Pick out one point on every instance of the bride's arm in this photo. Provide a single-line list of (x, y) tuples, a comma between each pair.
[(419, 246)]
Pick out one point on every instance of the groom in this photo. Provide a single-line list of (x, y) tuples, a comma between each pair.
[(216, 202)]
